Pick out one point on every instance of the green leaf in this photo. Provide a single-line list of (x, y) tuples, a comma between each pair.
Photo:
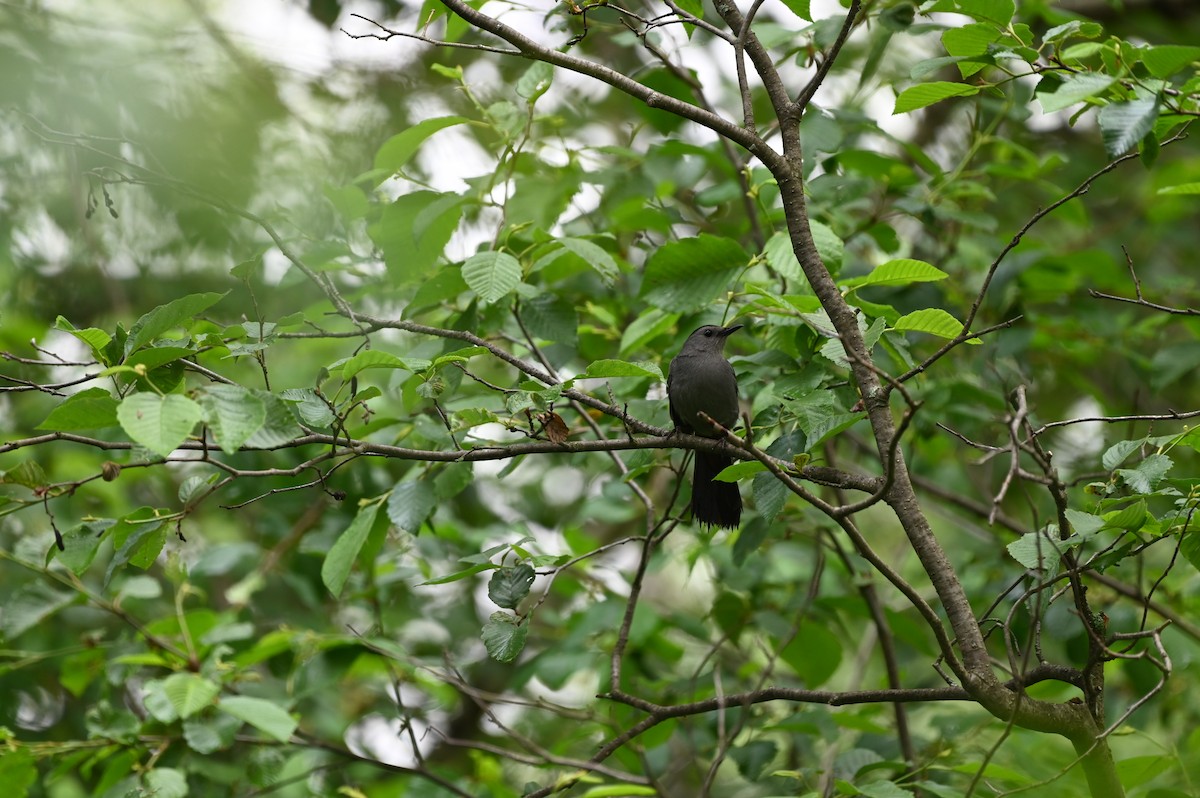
[(492, 275), (645, 328), (535, 81), (28, 606), (686, 275), (621, 368), (280, 426), (160, 423), (410, 503), (620, 790), (378, 359), (460, 575), (80, 544), (504, 636), (1074, 89), (800, 8), (829, 245), (18, 771), (1148, 473), (934, 321), (413, 231), (1124, 124), (165, 783), (166, 317), (312, 409), (1116, 454), (1035, 550), (897, 272), (552, 318), (95, 338), (753, 757), (189, 692), (94, 408), (232, 413), (266, 716), (924, 94), (1181, 188), (340, 559), (1165, 60), (814, 654), (400, 148), (510, 584), (998, 11), (781, 257), (970, 42), (595, 256), (741, 470)]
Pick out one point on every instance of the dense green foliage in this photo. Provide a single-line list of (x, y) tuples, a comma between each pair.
[(334, 443)]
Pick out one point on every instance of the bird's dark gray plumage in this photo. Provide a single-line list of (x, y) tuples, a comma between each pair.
[(702, 381)]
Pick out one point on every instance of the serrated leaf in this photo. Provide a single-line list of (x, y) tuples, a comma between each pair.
[(509, 585), (410, 503), (1116, 454), (897, 272), (166, 317), (266, 716), (280, 426), (189, 693), (830, 246), (397, 151), (552, 318), (160, 423), (686, 275), (1123, 125), (340, 559), (95, 338), (781, 257), (313, 411), (535, 81), (165, 783), (1074, 89), (622, 368), (934, 321), (925, 94), (492, 275), (232, 413), (504, 636), (1145, 477), (1034, 550)]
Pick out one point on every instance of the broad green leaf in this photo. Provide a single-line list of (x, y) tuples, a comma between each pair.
[(645, 328), (897, 272), (814, 654), (1165, 60), (165, 783), (397, 151), (492, 275), (1181, 188), (94, 408), (934, 321), (80, 544), (232, 413), (595, 255), (741, 470), (340, 559), (923, 69), (800, 8), (28, 473), (160, 423), (621, 368), (504, 636), (410, 503), (177, 313), (460, 575), (535, 81), (95, 338), (312, 409), (1130, 518), (378, 359), (280, 426), (781, 257), (510, 584), (1124, 124), (1076, 88), (1116, 454), (686, 275), (189, 692), (829, 246), (999, 12), (18, 770), (266, 716), (1144, 478), (552, 318), (925, 94), (413, 232), (970, 41), (753, 757), (29, 605), (620, 790)]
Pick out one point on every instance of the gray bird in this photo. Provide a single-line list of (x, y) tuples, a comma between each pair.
[(702, 381)]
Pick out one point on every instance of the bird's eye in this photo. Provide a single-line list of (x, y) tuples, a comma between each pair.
[(708, 333)]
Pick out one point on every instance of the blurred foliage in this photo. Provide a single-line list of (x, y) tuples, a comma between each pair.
[(264, 617)]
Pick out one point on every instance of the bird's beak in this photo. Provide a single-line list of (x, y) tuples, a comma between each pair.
[(727, 331)]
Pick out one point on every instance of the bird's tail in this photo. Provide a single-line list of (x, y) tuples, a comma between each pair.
[(714, 503)]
